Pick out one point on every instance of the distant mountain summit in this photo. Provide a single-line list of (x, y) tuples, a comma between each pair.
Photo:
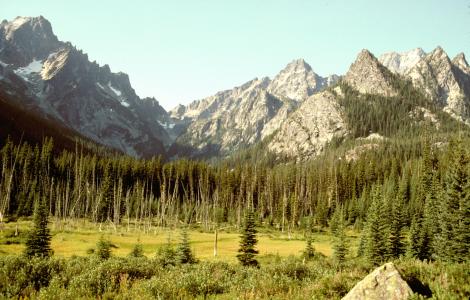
[(369, 76), (297, 81), (400, 63), (89, 98), (296, 114), (444, 81), (237, 118)]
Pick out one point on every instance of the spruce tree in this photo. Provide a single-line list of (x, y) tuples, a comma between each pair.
[(340, 245), (309, 251), (377, 234), (397, 224), (248, 241), (454, 239), (137, 251), (38, 243), (184, 254), (103, 248)]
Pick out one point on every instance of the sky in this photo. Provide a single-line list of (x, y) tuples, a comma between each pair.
[(179, 51)]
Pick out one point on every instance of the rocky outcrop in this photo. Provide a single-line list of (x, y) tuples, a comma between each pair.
[(305, 133), (230, 119), (368, 76), (84, 96), (384, 282), (297, 81), (444, 81), (400, 63), (245, 115)]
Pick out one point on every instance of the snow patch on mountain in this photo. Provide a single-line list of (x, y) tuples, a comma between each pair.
[(115, 90), (167, 125), (34, 67)]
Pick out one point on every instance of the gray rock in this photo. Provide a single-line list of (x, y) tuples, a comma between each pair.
[(400, 63), (237, 118), (297, 81), (384, 282), (445, 82), (84, 96), (305, 133), (368, 76)]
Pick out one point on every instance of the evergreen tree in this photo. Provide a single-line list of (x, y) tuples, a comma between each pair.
[(137, 251), (361, 249), (340, 245), (248, 241), (184, 254), (431, 228), (454, 239), (414, 238), (377, 234), (39, 240), (309, 251), (103, 248), (397, 239)]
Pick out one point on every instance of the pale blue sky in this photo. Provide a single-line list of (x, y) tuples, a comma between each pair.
[(179, 51)]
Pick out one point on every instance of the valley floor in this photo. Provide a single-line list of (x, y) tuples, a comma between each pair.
[(77, 237), (72, 272)]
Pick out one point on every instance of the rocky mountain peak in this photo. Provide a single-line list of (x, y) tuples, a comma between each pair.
[(369, 76), (400, 63), (299, 65), (36, 26), (460, 62), (438, 54), (26, 39), (297, 81), (365, 55)]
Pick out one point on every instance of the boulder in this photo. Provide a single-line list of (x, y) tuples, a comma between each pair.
[(384, 282)]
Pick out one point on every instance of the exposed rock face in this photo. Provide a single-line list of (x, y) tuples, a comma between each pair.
[(64, 84), (356, 152), (368, 76), (305, 132), (245, 115), (297, 81), (400, 63), (446, 82), (424, 115), (229, 119), (384, 282)]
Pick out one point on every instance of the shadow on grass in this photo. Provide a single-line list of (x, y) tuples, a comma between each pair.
[(418, 287)]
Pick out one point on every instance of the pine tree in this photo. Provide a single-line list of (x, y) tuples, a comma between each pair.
[(397, 239), (340, 246), (414, 238), (184, 254), (377, 234), (248, 241), (103, 248), (309, 251), (455, 237), (137, 251), (39, 240), (430, 229)]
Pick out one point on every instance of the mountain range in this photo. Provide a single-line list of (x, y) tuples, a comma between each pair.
[(295, 114)]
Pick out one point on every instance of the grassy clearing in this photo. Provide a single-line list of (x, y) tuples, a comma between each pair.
[(76, 238)]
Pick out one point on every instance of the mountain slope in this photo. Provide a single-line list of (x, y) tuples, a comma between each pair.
[(306, 132), (368, 76), (21, 124), (237, 118), (400, 63), (88, 98)]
